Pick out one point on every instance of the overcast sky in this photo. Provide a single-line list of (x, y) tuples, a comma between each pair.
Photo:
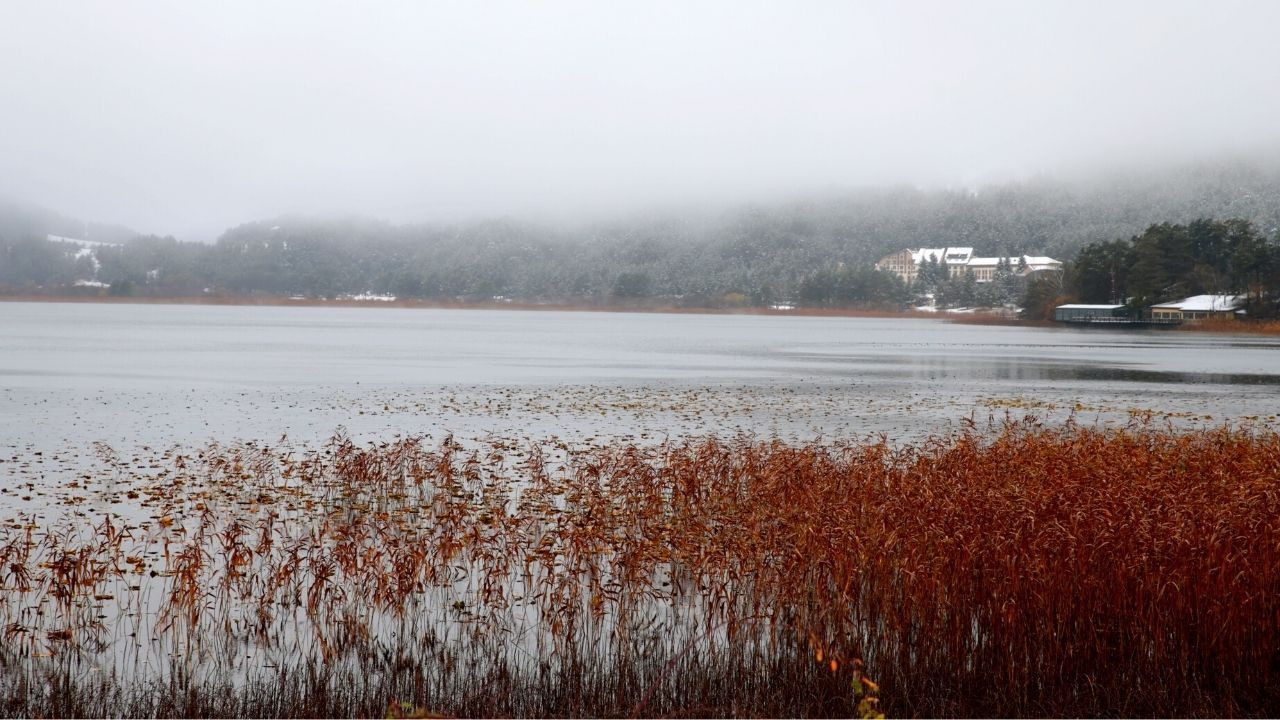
[(188, 117)]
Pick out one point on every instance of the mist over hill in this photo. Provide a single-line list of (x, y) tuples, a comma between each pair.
[(24, 220), (749, 254)]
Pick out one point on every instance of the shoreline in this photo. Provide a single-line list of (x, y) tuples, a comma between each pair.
[(271, 301), (1217, 327)]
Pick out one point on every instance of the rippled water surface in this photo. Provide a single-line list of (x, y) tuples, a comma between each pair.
[(72, 374)]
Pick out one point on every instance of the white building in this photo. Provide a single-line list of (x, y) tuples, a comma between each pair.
[(1197, 307), (960, 260)]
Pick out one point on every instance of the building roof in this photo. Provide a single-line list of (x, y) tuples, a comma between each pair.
[(1204, 303), (1039, 260), (1088, 307), (947, 254), (964, 256), (1014, 261), (957, 256), (991, 261)]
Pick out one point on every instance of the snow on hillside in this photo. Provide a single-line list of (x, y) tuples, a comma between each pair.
[(87, 249), (89, 244)]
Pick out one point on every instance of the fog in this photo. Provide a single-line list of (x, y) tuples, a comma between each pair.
[(187, 118)]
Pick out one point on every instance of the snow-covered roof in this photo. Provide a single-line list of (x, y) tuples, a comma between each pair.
[(1078, 306), (964, 256), (947, 254), (1204, 303), (1040, 260)]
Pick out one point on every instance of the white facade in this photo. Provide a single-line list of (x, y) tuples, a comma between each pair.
[(960, 260)]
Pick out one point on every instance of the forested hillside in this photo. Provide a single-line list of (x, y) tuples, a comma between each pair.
[(816, 251)]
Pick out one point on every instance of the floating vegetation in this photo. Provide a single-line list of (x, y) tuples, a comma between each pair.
[(1016, 570)]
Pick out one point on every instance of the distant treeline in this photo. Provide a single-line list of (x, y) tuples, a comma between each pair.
[(816, 252)]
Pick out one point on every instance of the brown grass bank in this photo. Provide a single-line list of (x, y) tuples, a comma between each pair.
[(1232, 325), (1020, 570)]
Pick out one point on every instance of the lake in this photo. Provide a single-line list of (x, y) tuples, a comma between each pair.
[(139, 441), (155, 375)]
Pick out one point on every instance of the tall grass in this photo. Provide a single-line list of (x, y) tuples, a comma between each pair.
[(1233, 325), (1019, 570)]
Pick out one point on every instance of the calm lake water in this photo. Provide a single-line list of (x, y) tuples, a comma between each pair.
[(132, 375)]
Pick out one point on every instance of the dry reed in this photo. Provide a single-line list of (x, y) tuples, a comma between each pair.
[(1022, 570), (1233, 325)]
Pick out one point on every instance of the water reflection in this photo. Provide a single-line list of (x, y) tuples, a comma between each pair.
[(943, 366)]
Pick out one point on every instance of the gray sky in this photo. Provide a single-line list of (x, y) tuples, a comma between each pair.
[(187, 118)]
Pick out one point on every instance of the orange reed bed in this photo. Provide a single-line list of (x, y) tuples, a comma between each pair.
[(1022, 570), (1232, 325)]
